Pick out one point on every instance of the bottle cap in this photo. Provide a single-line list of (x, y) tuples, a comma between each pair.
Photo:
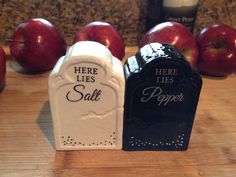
[(179, 3)]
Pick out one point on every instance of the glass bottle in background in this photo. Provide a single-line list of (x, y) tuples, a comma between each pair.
[(153, 13), (182, 11)]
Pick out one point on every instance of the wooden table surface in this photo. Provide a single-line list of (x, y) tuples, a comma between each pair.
[(27, 141)]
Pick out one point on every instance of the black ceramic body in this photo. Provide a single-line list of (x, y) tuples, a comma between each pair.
[(162, 93)]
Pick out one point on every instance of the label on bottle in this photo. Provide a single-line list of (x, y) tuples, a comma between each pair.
[(184, 15)]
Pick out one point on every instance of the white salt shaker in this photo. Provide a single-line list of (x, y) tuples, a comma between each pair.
[(86, 91)]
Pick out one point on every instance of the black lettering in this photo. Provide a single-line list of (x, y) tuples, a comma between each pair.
[(87, 97), (92, 79), (80, 94), (96, 95), (83, 70), (77, 69), (87, 78), (95, 71), (90, 71)]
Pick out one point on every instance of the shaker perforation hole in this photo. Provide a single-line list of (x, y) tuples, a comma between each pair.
[(175, 143), (70, 141)]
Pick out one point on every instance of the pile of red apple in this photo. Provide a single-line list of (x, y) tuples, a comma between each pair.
[(37, 45), (212, 51)]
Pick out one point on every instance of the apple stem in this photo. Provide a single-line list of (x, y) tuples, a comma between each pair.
[(11, 40), (218, 45)]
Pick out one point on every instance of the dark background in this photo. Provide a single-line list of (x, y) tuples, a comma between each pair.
[(128, 16)]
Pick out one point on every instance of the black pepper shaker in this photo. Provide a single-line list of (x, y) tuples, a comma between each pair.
[(162, 92)]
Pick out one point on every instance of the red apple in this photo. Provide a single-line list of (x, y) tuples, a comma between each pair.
[(37, 45), (2, 68), (105, 34), (217, 50), (175, 34)]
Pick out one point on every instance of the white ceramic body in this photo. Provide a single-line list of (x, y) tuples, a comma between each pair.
[(86, 90)]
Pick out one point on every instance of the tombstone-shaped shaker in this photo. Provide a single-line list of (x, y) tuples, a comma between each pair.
[(86, 89), (162, 92)]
